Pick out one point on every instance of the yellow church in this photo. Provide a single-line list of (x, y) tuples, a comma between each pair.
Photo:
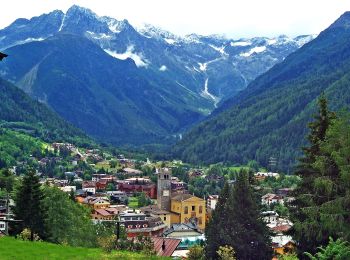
[(183, 208)]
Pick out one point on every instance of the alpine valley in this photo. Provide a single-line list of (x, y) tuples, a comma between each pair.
[(268, 118), (126, 85)]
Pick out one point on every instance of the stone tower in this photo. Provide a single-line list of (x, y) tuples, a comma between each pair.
[(164, 189)]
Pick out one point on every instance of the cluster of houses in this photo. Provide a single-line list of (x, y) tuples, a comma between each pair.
[(175, 216), (175, 221)]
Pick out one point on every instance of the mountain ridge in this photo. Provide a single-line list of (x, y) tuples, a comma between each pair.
[(174, 75), (269, 118)]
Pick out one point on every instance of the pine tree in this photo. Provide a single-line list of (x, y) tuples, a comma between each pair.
[(236, 222), (215, 229), (29, 205), (309, 230), (246, 232)]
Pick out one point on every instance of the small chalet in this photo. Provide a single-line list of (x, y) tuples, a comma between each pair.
[(154, 211), (271, 198), (139, 224), (134, 185), (132, 172), (89, 187), (97, 202)]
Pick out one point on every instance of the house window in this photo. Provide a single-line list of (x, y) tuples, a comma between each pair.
[(129, 226), (193, 208), (200, 209), (138, 226), (186, 210), (164, 218), (144, 225), (199, 221)]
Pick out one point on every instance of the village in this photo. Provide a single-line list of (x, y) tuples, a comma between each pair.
[(146, 199)]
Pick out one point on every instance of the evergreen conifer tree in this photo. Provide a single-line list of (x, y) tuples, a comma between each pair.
[(246, 232), (29, 205), (236, 222), (307, 211), (216, 228)]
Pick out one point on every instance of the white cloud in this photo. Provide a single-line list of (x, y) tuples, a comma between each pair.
[(240, 18)]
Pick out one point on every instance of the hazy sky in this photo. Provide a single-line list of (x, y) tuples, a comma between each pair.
[(234, 18)]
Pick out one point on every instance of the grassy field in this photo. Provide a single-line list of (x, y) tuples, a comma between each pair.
[(133, 202), (13, 249)]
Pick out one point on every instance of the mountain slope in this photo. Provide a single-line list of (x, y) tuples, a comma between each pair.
[(269, 118), (19, 112), (127, 85)]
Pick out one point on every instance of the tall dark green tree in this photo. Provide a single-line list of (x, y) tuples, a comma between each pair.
[(29, 205), (319, 173), (236, 222), (247, 233), (215, 229)]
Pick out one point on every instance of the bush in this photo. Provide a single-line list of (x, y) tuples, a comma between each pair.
[(196, 253), (226, 253), (107, 243), (25, 235)]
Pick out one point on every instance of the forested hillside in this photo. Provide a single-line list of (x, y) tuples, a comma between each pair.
[(19, 112), (268, 118)]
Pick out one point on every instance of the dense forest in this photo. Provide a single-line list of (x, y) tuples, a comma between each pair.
[(20, 113), (268, 118)]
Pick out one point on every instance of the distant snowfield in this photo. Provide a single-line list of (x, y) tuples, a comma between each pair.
[(99, 35), (138, 58), (235, 44), (253, 50), (170, 41)]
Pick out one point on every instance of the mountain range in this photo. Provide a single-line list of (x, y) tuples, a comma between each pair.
[(129, 85), (269, 118)]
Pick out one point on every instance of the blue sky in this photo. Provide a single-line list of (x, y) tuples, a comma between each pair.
[(233, 18)]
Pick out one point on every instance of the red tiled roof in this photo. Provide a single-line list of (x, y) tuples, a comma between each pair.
[(281, 228), (102, 212), (169, 244)]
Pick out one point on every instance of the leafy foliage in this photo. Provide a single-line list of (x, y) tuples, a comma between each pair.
[(68, 222), (196, 253), (335, 250)]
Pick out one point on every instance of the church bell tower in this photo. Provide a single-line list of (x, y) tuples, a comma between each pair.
[(164, 189)]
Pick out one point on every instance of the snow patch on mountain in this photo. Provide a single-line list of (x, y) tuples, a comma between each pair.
[(240, 43), (170, 41), (62, 23), (219, 49), (113, 25), (163, 68), (28, 40), (99, 35), (202, 66), (271, 41), (253, 50), (205, 93), (138, 58)]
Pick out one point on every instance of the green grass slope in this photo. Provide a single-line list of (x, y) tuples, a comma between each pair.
[(12, 249)]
